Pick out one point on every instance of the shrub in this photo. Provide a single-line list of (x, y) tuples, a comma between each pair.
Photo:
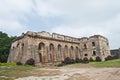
[(19, 63), (77, 60), (85, 60), (109, 57), (98, 59), (115, 56), (67, 60), (106, 59), (30, 62), (72, 61), (91, 59)]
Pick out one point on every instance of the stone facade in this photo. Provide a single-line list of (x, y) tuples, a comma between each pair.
[(47, 48)]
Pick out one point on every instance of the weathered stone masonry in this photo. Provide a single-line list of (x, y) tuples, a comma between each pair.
[(47, 48)]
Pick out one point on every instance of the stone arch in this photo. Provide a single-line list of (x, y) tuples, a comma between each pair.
[(41, 52), (21, 52), (71, 52), (65, 51), (52, 52), (17, 52), (59, 52), (76, 52)]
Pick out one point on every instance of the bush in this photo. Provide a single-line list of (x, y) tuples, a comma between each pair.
[(67, 60), (109, 57), (77, 60), (85, 60), (19, 63), (72, 61), (115, 56), (91, 59), (98, 59), (106, 59), (30, 62)]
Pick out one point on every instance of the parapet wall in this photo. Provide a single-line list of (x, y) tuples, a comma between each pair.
[(59, 36)]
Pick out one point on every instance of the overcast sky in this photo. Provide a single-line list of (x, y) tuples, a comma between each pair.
[(77, 18)]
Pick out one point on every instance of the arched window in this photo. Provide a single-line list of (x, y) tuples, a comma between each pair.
[(85, 46), (41, 49), (71, 52), (21, 51), (58, 54), (94, 53), (76, 52), (65, 51), (52, 55)]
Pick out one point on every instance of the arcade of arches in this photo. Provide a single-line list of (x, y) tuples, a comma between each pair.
[(44, 47), (55, 53)]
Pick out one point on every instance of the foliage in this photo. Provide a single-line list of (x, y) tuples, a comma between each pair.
[(67, 60), (108, 58), (19, 63), (30, 62), (77, 60), (91, 59), (98, 59), (5, 43), (116, 56), (85, 60)]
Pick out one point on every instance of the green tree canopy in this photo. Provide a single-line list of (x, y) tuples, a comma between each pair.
[(5, 43)]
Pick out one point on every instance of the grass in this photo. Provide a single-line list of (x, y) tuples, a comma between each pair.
[(110, 63), (7, 64), (10, 71)]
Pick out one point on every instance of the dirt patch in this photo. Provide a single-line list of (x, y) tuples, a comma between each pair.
[(78, 76), (44, 72), (65, 73)]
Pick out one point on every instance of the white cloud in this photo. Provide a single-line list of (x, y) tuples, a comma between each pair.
[(78, 18), (12, 27), (46, 8), (11, 11), (89, 17)]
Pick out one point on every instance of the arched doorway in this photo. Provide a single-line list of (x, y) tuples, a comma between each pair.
[(66, 52), (72, 52), (40, 57), (41, 49), (59, 55), (52, 55), (21, 52), (76, 53)]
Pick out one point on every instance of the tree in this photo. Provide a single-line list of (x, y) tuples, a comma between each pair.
[(5, 43)]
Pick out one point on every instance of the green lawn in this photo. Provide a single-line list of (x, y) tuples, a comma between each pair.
[(12, 71), (110, 63)]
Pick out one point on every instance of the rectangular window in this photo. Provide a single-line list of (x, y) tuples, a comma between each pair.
[(85, 46), (93, 43), (94, 53)]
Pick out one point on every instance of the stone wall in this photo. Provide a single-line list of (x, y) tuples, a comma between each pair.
[(45, 48)]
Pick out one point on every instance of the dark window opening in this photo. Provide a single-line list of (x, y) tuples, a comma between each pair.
[(85, 46), (94, 53), (107, 44), (86, 54), (93, 43)]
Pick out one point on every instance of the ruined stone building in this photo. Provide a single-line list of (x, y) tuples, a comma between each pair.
[(47, 48)]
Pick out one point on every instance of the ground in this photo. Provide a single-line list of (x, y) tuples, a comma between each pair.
[(108, 70), (74, 73)]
